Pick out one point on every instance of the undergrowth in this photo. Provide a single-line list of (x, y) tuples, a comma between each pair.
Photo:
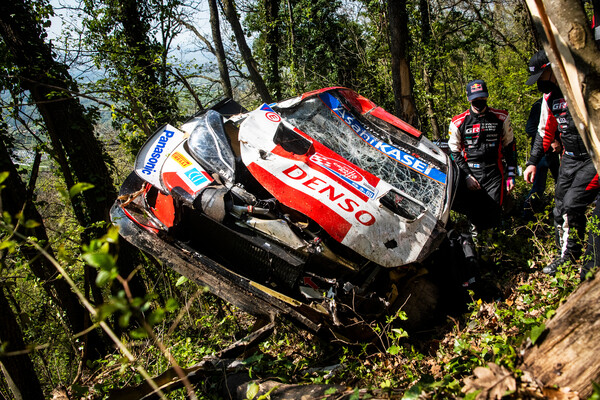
[(185, 325), (428, 364)]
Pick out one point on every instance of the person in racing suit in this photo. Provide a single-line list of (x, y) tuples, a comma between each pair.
[(577, 183), (481, 138), (550, 162)]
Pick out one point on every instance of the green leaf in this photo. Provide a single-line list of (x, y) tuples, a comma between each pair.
[(78, 188), (355, 395), (400, 333), (3, 176), (472, 396), (105, 311), (536, 332), (393, 350), (139, 333), (402, 315), (104, 277), (171, 305), (412, 393), (8, 244), (124, 319), (252, 359), (252, 390), (112, 236), (102, 261), (156, 316), (30, 224), (181, 280)]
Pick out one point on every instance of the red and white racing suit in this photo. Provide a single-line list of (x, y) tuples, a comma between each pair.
[(577, 183), (480, 144)]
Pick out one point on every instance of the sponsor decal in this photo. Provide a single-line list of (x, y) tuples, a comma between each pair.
[(476, 128), (402, 157), (157, 152), (560, 104), (270, 114), (273, 117), (346, 173), (197, 177), (266, 107), (476, 87), (330, 194), (181, 160)]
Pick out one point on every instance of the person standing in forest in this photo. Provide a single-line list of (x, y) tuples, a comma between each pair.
[(549, 162), (481, 143), (577, 183)]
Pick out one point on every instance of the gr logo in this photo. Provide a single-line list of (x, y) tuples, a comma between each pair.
[(271, 116), (197, 177)]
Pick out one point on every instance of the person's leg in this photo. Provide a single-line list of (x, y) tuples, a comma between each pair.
[(580, 195), (541, 175), (563, 183), (571, 204), (533, 201), (553, 161), (490, 200)]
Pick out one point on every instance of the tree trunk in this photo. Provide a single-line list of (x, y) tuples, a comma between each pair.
[(219, 50), (568, 354), (18, 369), (232, 17), (71, 130), (136, 30), (272, 45), (428, 71), (292, 47), (14, 200), (401, 77), (64, 116)]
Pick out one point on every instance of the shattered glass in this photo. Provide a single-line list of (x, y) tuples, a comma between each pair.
[(315, 119)]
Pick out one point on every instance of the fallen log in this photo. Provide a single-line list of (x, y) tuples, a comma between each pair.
[(566, 355)]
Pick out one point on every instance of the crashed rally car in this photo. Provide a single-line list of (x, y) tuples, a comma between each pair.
[(322, 208)]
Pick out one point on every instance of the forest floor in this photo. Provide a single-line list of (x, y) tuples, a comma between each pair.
[(489, 325)]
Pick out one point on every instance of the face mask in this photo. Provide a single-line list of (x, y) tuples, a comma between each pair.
[(479, 104), (545, 86)]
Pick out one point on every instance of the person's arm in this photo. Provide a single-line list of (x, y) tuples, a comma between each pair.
[(456, 145), (543, 140), (509, 151), (545, 134), (533, 119)]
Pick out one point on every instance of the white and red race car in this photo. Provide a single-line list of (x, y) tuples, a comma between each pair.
[(324, 208)]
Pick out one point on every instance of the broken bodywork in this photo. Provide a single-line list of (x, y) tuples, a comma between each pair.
[(322, 208)]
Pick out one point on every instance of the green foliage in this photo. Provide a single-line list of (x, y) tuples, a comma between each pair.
[(136, 71), (98, 255), (327, 49), (336, 43)]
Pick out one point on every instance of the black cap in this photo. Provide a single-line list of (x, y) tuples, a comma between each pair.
[(537, 65), (476, 89)]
